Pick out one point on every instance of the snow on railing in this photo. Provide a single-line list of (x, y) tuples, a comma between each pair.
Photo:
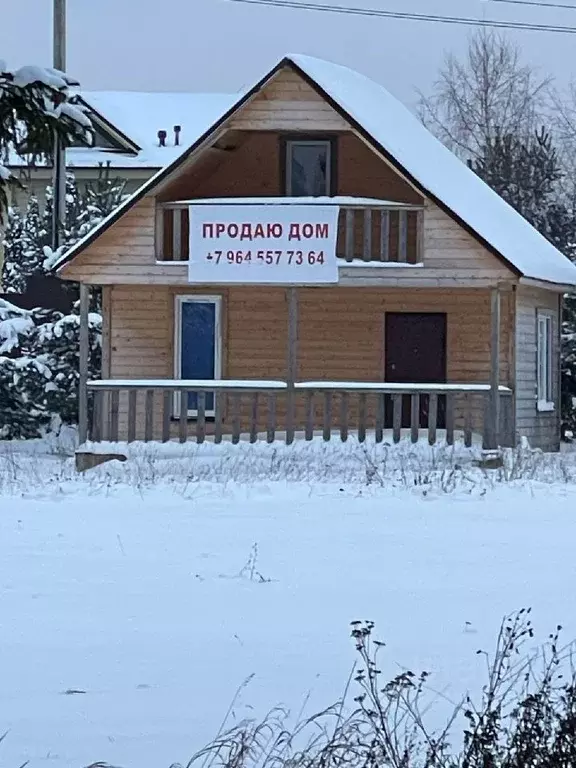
[(159, 409)]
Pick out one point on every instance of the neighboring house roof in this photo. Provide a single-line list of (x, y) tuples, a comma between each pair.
[(391, 128), (135, 118)]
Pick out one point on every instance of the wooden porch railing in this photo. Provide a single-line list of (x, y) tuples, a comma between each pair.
[(386, 233), (129, 410)]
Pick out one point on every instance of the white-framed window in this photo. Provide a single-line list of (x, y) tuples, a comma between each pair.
[(544, 361), (197, 345), (308, 167)]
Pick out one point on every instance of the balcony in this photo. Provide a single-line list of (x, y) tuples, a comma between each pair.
[(369, 230)]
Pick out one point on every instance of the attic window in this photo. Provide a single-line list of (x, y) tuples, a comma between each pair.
[(308, 167)]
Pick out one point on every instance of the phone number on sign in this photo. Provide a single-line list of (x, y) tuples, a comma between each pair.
[(296, 258)]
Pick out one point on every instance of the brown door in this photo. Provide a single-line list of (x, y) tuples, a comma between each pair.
[(415, 350)]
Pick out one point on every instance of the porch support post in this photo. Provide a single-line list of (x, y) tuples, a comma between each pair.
[(492, 429), (292, 361), (83, 364)]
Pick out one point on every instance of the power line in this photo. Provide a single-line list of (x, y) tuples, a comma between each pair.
[(536, 3), (372, 12)]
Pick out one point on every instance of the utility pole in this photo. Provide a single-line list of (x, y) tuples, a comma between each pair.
[(59, 167)]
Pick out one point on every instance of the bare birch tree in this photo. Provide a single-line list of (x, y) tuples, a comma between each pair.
[(489, 92)]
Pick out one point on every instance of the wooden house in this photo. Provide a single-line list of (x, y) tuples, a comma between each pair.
[(444, 321)]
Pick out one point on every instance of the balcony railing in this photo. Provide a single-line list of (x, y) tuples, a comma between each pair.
[(367, 231), (129, 410)]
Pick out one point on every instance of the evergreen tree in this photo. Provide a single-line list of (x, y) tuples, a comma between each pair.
[(29, 234), (26, 236), (13, 280), (37, 233), (526, 172), (35, 103), (39, 349), (100, 198), (23, 376), (57, 340), (39, 368)]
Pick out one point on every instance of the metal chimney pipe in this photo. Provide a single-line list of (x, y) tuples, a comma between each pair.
[(177, 129), (162, 138)]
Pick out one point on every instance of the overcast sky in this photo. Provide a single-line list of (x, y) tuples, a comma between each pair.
[(180, 45)]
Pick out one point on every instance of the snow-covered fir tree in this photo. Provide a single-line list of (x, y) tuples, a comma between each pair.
[(13, 279), (28, 235), (57, 338), (527, 173), (39, 368), (23, 376), (39, 348), (35, 103), (100, 198)]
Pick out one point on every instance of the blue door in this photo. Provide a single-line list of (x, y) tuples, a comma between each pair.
[(198, 345)]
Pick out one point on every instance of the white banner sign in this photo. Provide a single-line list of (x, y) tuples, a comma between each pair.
[(287, 244)]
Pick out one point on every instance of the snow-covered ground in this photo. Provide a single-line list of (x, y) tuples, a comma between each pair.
[(140, 600)]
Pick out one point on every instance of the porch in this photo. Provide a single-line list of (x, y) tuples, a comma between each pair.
[(265, 336)]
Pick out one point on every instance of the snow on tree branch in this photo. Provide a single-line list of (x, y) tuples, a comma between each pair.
[(35, 105)]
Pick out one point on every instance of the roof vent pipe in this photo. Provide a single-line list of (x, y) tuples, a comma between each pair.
[(161, 138), (177, 129)]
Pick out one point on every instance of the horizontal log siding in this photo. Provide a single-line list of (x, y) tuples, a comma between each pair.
[(541, 428), (288, 103), (341, 337), (126, 249)]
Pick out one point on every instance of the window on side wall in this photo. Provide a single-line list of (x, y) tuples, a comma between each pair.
[(545, 361), (308, 167)]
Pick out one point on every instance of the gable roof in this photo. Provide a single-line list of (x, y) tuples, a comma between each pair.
[(135, 117), (393, 130)]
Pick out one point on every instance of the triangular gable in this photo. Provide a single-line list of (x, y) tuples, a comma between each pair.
[(396, 134), (111, 132)]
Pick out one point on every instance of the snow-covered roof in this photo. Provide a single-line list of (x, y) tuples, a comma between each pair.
[(439, 171), (139, 116), (417, 153)]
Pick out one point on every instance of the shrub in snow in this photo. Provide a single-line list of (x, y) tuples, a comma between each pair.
[(524, 717), (39, 368)]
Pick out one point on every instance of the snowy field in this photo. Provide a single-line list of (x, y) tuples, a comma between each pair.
[(140, 601)]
